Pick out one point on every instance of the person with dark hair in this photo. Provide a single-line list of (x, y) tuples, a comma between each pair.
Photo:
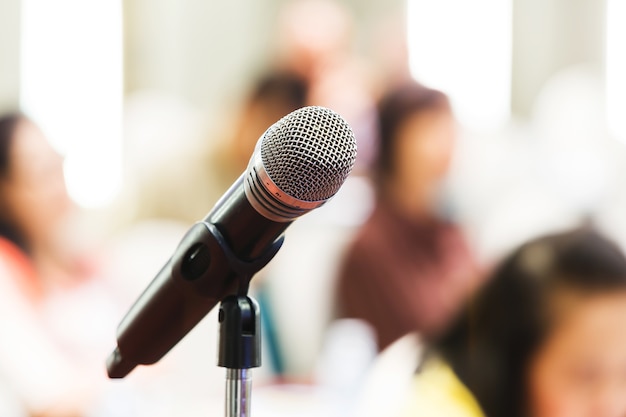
[(33, 197), (8, 125), (273, 96), (408, 268), (54, 310), (545, 337)]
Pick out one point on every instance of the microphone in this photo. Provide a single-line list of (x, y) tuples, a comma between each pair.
[(298, 164)]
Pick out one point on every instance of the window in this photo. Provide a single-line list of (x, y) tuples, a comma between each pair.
[(72, 86), (464, 48)]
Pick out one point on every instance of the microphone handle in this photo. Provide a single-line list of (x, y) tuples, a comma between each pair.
[(200, 273)]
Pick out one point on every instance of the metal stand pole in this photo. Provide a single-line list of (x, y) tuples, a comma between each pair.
[(238, 392), (240, 350)]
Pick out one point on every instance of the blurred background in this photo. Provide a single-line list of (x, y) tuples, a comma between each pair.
[(155, 107)]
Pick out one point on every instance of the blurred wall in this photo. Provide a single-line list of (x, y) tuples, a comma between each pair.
[(203, 51), (368, 16), (9, 54), (549, 35)]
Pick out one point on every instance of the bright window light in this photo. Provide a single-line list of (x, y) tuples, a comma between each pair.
[(616, 68), (464, 48), (72, 87)]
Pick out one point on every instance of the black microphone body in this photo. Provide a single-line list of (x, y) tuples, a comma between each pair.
[(300, 162)]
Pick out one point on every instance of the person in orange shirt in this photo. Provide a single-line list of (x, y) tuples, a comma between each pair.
[(54, 312)]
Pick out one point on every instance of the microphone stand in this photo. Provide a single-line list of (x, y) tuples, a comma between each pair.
[(240, 328), (239, 350)]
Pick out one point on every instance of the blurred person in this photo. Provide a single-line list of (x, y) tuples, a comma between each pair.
[(31, 175), (312, 34), (274, 95), (409, 267), (315, 40), (390, 53), (546, 337), (54, 314)]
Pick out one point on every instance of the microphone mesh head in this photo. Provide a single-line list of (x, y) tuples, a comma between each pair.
[(309, 153)]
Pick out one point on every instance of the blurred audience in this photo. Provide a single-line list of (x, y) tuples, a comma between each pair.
[(546, 337), (55, 314), (409, 267)]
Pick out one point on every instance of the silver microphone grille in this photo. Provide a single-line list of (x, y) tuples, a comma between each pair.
[(309, 153)]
